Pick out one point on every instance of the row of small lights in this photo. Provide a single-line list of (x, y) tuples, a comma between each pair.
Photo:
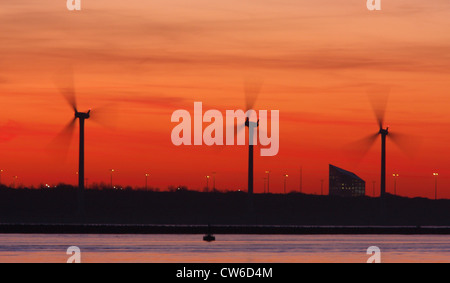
[(398, 175), (14, 177), (435, 174), (395, 175), (48, 186), (267, 172)]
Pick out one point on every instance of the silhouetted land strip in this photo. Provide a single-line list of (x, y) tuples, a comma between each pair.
[(182, 229), (182, 211)]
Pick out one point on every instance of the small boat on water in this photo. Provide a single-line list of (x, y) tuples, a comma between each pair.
[(209, 237)]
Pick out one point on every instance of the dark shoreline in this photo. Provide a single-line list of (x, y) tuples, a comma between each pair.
[(56, 210), (228, 229)]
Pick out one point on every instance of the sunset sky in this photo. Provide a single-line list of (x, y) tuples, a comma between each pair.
[(149, 58)]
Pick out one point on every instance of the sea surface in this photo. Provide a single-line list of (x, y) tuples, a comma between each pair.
[(226, 249)]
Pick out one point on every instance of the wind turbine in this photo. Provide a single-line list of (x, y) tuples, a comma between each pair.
[(379, 97), (69, 93), (64, 138), (251, 90)]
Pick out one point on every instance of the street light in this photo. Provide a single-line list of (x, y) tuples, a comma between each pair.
[(14, 180), (146, 181), (301, 179), (214, 180), (265, 184), (435, 184), (207, 183), (268, 181), (1, 171), (395, 175), (112, 171), (285, 181)]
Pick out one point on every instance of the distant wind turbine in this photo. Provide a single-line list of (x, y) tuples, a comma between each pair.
[(252, 90), (379, 97), (64, 137)]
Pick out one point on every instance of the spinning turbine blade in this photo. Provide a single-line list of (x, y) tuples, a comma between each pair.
[(362, 146), (106, 116), (252, 88), (69, 94), (65, 84), (237, 128), (408, 144), (378, 96), (61, 143)]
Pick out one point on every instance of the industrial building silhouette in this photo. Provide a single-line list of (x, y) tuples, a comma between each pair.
[(345, 184)]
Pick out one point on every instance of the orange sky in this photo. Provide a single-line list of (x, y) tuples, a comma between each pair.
[(150, 58)]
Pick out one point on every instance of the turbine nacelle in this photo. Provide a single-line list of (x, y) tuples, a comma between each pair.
[(83, 115), (384, 132), (248, 123)]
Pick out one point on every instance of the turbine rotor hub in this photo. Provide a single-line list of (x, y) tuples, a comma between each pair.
[(82, 115), (384, 131), (248, 123)]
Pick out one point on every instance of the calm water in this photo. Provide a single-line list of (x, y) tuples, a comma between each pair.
[(227, 248)]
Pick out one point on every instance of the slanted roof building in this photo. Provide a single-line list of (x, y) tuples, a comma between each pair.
[(345, 184)]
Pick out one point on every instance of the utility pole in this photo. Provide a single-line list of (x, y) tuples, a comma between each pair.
[(435, 184), (301, 179), (15, 180), (265, 184), (112, 171), (268, 181), (285, 181), (146, 181), (207, 183), (395, 175)]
